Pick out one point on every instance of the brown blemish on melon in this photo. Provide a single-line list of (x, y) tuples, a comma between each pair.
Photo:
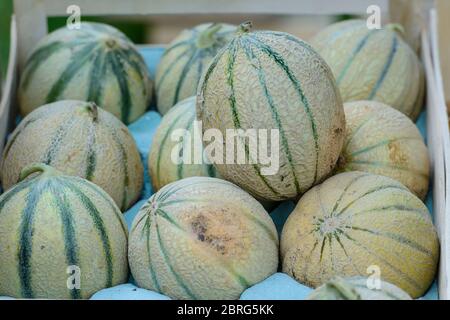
[(395, 153), (203, 231)]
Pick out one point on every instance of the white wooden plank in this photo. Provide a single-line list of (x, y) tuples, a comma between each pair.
[(10, 86), (31, 25), (438, 141), (156, 7)]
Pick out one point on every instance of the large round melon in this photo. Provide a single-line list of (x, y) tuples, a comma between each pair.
[(185, 60), (273, 81), (62, 237), (95, 63), (382, 140), (373, 64), (358, 223), (79, 139), (170, 139), (202, 238)]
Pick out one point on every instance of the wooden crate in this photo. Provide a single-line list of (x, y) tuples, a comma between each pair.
[(31, 17)]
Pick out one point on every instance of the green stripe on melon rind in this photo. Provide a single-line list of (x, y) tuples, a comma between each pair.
[(147, 226), (26, 239), (136, 63), (381, 144), (180, 166), (99, 226), (377, 189), (68, 230), (380, 164), (37, 58), (355, 52), (124, 162), (397, 238), (211, 170), (235, 114), (385, 68), (106, 197), (76, 63), (187, 67), (278, 59), (338, 239), (188, 42), (56, 142), (14, 191), (96, 78), (338, 201), (276, 117), (169, 266), (118, 70), (176, 59), (355, 131), (162, 145), (397, 208), (91, 160), (398, 271)]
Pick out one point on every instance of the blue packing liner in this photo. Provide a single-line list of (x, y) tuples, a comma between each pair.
[(277, 286)]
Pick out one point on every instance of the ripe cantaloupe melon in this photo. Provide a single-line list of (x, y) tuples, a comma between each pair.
[(62, 237), (357, 288), (162, 169), (355, 222), (272, 80), (373, 64), (382, 140), (185, 60), (79, 139), (202, 238), (95, 63)]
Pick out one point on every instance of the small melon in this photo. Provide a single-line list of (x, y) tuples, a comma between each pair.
[(95, 63), (202, 238), (382, 140), (358, 288), (274, 81), (79, 139), (162, 169), (62, 237), (373, 64), (185, 60), (356, 222)]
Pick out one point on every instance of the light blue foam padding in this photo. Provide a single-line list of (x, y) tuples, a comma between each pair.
[(277, 287), (6, 298), (128, 292)]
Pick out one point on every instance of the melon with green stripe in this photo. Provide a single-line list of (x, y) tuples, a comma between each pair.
[(356, 222), (94, 63), (382, 140), (185, 60), (274, 81), (79, 139), (373, 64), (62, 237), (202, 238), (163, 170)]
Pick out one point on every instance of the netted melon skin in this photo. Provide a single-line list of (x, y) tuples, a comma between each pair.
[(184, 62), (373, 64), (275, 81), (62, 238), (382, 140), (162, 169), (95, 63), (202, 238), (355, 223), (78, 141)]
